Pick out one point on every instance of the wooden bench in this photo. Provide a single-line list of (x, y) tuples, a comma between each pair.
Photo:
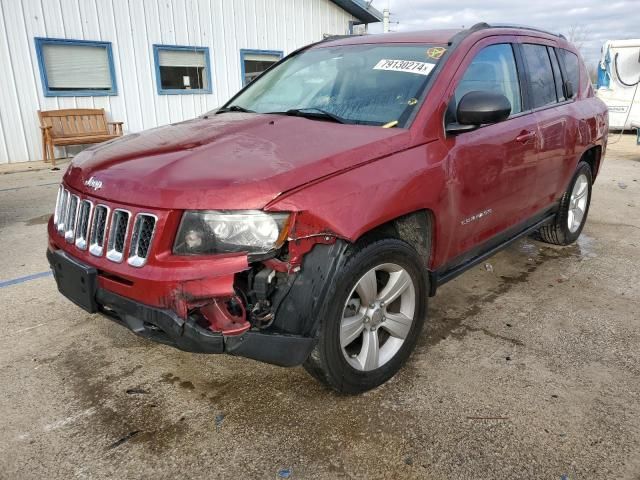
[(74, 126)]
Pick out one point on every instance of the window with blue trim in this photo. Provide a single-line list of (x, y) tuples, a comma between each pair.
[(254, 62), (181, 69), (75, 67)]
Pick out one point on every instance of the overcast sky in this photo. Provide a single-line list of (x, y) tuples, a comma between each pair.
[(596, 20)]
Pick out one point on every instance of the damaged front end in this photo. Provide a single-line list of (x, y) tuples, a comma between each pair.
[(282, 298), (261, 306), (285, 307)]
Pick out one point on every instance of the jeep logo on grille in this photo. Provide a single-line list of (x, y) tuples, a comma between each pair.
[(94, 183)]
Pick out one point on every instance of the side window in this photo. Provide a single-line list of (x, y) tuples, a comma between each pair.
[(494, 70), (556, 74), (571, 67), (540, 75)]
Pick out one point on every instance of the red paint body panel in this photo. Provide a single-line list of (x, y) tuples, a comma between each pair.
[(227, 162), (339, 180)]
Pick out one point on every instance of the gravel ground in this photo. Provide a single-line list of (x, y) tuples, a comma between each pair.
[(529, 368)]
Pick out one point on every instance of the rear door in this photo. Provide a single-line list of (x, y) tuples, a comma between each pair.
[(492, 168), (548, 101)]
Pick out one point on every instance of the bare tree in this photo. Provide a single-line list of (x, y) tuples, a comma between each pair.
[(578, 35)]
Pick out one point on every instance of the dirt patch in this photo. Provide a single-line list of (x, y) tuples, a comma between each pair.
[(123, 417), (41, 220)]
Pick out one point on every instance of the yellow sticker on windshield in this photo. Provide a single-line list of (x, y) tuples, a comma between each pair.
[(407, 66), (436, 52)]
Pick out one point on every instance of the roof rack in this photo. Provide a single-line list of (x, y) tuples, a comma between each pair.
[(483, 25)]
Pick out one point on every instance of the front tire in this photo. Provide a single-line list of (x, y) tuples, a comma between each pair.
[(374, 320), (574, 207)]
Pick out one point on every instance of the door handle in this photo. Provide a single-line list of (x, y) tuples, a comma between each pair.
[(524, 137)]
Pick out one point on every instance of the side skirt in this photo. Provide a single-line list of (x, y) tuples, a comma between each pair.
[(468, 260)]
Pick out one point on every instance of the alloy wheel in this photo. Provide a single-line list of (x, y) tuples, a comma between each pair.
[(578, 203), (377, 316)]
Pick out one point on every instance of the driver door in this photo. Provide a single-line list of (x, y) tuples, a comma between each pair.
[(493, 168)]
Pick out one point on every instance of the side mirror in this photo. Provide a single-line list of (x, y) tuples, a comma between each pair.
[(479, 108)]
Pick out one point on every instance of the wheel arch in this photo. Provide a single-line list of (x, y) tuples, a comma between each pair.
[(592, 156), (296, 313), (416, 228)]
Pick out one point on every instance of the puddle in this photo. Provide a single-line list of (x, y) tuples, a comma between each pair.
[(527, 246), (449, 310), (586, 245)]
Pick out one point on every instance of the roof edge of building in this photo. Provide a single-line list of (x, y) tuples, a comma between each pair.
[(360, 9)]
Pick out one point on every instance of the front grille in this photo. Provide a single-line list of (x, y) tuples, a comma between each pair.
[(141, 239), (62, 216), (118, 234), (72, 215), (98, 230), (82, 227), (88, 226), (56, 212)]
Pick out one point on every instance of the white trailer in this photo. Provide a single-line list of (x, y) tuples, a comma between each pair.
[(618, 80)]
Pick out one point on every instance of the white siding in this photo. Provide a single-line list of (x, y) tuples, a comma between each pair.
[(133, 26)]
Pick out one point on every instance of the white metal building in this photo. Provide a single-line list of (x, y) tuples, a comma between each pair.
[(146, 62)]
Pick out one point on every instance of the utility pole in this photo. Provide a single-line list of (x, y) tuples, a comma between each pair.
[(385, 20)]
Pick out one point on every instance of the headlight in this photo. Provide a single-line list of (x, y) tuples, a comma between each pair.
[(204, 232)]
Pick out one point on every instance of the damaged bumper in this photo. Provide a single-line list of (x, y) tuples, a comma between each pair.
[(164, 326), (213, 324)]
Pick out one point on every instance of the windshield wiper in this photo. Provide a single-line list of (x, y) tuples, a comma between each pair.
[(313, 113), (234, 108)]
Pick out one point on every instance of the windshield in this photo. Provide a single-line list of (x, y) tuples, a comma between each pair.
[(374, 84)]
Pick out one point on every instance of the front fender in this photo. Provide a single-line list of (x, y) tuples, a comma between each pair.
[(356, 201)]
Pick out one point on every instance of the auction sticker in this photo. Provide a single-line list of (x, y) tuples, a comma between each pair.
[(407, 66)]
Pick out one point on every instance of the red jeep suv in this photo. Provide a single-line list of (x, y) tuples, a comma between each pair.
[(307, 221)]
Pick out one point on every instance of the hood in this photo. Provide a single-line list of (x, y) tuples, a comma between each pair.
[(227, 161)]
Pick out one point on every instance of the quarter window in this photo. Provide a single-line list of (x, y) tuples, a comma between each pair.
[(540, 74), (571, 67), (494, 70), (75, 67), (254, 62), (182, 69)]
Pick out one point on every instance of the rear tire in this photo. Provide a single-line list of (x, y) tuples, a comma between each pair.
[(374, 320), (574, 207)]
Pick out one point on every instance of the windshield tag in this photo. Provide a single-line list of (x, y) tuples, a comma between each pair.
[(407, 66)]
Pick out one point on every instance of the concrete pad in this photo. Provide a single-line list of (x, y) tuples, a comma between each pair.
[(529, 368)]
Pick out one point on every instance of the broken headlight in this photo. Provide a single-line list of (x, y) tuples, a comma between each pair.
[(204, 232)]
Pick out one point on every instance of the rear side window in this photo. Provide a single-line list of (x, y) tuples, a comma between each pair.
[(540, 75), (494, 70), (571, 67), (556, 74)]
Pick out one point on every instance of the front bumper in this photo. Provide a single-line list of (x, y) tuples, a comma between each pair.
[(188, 334)]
